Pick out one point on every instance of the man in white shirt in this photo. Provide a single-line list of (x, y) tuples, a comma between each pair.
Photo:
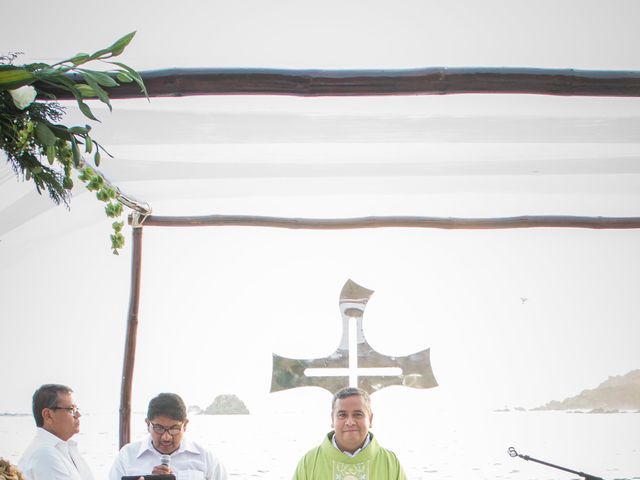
[(166, 449), (52, 455)]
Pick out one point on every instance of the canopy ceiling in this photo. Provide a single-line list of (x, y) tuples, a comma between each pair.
[(500, 154)]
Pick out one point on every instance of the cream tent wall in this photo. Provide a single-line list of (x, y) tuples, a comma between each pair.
[(463, 155)]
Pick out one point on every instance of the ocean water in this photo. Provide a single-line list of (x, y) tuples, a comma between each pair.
[(430, 444)]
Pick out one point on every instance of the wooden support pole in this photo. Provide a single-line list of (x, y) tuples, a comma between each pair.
[(132, 332), (179, 82), (529, 221)]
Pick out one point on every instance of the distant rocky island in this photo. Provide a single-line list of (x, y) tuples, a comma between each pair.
[(621, 392), (225, 405), (194, 410)]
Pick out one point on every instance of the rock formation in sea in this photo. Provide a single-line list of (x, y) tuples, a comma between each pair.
[(194, 410), (227, 405), (621, 392)]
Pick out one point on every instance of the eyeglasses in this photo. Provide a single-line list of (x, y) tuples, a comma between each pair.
[(74, 411), (160, 429)]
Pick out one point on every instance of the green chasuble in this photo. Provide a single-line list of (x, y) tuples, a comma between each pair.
[(326, 462)]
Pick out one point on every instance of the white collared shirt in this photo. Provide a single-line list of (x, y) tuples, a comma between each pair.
[(349, 454), (190, 462), (50, 458)]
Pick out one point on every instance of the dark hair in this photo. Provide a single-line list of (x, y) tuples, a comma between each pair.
[(350, 392), (47, 397), (169, 405)]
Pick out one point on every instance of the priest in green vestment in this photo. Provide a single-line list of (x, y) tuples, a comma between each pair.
[(350, 451)]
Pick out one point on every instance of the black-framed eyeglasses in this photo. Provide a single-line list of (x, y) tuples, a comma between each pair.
[(74, 411), (160, 429)]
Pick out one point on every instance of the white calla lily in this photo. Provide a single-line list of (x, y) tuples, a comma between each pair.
[(23, 96)]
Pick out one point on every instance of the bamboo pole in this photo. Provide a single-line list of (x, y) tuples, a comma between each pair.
[(528, 221), (179, 82), (130, 342)]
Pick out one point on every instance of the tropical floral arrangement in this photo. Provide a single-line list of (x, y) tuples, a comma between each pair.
[(41, 149)]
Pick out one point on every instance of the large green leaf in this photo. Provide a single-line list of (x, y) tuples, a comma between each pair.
[(14, 77), (48, 73), (80, 58), (116, 49), (86, 111), (102, 95), (85, 90), (68, 84), (45, 135), (123, 77), (135, 75), (60, 131), (101, 78), (64, 82)]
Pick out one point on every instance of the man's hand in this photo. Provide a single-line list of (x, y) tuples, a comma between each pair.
[(161, 470)]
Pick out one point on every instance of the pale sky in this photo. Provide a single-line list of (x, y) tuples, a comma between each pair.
[(216, 303)]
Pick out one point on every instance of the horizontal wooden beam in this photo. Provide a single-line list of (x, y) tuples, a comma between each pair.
[(179, 82), (543, 221)]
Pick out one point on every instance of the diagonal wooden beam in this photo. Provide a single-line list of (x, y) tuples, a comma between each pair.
[(179, 82)]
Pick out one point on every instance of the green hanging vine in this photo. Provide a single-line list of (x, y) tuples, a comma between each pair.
[(44, 151)]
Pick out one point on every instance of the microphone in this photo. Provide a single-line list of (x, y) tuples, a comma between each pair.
[(165, 460)]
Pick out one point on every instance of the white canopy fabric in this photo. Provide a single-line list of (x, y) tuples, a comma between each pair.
[(422, 152), (221, 147)]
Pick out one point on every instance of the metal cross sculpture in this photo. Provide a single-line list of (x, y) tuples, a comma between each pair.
[(354, 363)]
